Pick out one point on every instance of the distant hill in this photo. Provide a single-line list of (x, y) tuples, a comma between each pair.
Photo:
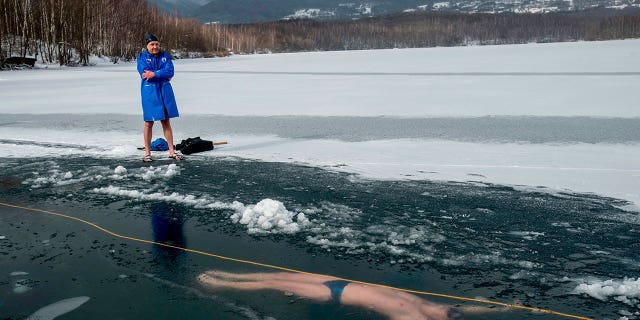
[(249, 11)]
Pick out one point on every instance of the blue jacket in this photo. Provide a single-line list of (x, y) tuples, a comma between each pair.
[(157, 93)]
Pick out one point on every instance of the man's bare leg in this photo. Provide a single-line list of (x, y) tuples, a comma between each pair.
[(281, 276), (147, 134), (168, 134)]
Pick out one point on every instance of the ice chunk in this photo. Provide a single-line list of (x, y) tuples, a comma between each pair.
[(270, 216), (57, 309), (152, 172), (172, 170), (626, 290), (21, 286), (120, 170)]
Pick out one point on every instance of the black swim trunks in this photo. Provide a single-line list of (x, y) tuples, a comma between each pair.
[(336, 287)]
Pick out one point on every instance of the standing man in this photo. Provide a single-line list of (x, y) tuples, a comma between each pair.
[(158, 102)]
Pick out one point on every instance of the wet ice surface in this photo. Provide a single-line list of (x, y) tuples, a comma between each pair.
[(570, 252), (503, 129), (575, 154)]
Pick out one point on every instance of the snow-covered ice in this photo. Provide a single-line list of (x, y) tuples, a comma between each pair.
[(582, 80)]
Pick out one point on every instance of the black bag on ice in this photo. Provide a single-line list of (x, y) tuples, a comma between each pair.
[(194, 145)]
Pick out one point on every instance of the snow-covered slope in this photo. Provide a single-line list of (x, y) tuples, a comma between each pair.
[(243, 11)]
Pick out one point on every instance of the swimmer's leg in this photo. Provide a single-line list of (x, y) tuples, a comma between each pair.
[(311, 291), (216, 283), (258, 276)]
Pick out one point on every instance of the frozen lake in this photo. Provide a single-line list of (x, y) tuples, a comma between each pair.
[(502, 172)]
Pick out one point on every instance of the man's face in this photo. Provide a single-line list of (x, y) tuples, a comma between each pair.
[(153, 47)]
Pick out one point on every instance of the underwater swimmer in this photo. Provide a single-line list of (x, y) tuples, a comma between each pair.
[(396, 305)]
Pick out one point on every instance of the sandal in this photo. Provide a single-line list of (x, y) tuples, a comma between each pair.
[(176, 156), (147, 158)]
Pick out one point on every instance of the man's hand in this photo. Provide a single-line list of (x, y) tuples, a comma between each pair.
[(148, 74)]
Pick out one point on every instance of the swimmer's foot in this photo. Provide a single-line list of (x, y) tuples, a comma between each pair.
[(256, 276), (217, 283), (208, 281), (222, 275)]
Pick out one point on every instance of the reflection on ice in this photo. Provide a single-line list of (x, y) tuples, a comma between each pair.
[(167, 226)]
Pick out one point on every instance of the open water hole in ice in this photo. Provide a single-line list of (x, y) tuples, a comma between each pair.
[(467, 239)]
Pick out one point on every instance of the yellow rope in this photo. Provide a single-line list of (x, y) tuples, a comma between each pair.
[(483, 301)]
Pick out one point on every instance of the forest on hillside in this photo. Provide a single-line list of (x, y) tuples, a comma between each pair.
[(70, 31), (429, 29)]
